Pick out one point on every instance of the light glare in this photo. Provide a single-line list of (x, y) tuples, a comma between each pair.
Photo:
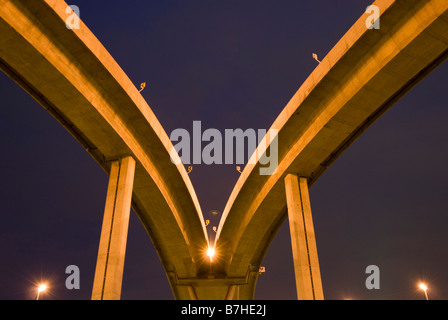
[(211, 253), (42, 288)]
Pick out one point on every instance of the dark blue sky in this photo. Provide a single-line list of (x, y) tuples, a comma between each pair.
[(230, 64)]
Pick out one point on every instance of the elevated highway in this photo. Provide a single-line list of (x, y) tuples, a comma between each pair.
[(71, 74), (363, 75), (76, 80)]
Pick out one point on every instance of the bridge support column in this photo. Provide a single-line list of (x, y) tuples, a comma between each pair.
[(114, 232), (304, 249)]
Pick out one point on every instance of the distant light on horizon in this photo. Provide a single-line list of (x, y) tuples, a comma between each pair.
[(423, 286), (42, 288)]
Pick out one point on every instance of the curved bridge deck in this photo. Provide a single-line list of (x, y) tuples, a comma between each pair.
[(75, 79), (364, 74)]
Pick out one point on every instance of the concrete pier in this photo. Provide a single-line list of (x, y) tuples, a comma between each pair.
[(303, 240), (112, 248)]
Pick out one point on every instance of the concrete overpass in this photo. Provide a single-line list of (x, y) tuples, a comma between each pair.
[(72, 76), (75, 79), (363, 75)]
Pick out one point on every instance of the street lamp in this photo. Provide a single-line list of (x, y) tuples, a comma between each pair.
[(41, 288), (424, 288), (211, 253)]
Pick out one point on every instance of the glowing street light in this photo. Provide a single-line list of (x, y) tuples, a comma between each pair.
[(424, 288), (211, 253), (41, 288)]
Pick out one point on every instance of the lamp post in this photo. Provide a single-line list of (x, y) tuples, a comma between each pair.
[(210, 254), (424, 288), (41, 288)]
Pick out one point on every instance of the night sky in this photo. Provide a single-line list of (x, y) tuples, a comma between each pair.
[(230, 64)]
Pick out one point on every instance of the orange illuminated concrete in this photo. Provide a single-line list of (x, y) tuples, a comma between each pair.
[(114, 232), (303, 239), (364, 75), (76, 80)]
